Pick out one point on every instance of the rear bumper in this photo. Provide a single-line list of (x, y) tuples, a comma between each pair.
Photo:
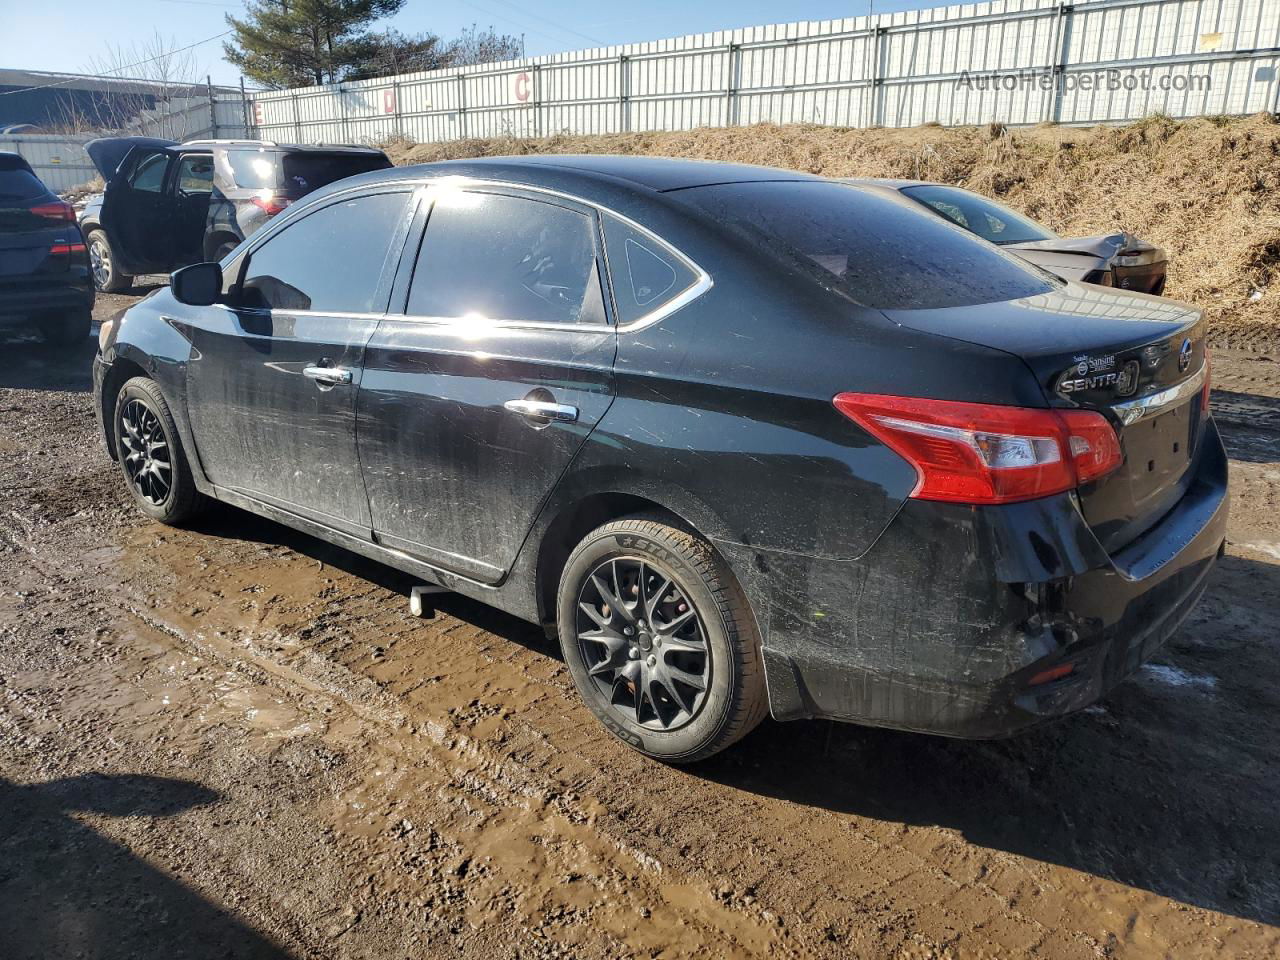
[(942, 625), (22, 303)]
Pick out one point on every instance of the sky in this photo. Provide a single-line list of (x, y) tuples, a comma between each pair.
[(75, 35)]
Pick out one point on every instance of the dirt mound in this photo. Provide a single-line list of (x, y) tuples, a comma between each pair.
[(1207, 190)]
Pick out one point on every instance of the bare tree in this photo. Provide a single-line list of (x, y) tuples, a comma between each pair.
[(149, 84)]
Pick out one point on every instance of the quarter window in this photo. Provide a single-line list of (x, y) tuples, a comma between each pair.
[(331, 261), (646, 273), (195, 174), (499, 257)]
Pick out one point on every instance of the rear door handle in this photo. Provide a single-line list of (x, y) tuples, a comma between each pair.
[(543, 410), (329, 376)]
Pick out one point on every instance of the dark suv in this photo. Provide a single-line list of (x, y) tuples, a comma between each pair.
[(44, 269), (168, 204)]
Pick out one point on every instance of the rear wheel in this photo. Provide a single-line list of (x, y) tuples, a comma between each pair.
[(102, 262), (222, 249), (68, 328), (151, 456), (660, 641)]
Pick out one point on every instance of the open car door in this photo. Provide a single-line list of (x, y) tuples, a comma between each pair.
[(137, 206)]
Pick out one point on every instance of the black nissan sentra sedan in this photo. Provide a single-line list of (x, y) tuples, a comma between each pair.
[(751, 441)]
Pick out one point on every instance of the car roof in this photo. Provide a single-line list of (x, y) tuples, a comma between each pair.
[(654, 173), (193, 145)]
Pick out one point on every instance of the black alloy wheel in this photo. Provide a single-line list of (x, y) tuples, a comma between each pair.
[(145, 451), (643, 643), (150, 453)]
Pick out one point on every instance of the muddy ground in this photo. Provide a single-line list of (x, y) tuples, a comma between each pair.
[(234, 741)]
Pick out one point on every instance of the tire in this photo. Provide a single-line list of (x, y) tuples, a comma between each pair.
[(107, 276), (660, 567), (67, 329), (145, 433), (222, 249)]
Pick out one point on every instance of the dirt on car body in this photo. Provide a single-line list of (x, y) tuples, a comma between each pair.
[(233, 740)]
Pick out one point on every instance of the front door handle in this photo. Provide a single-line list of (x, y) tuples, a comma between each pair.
[(329, 376), (543, 410)]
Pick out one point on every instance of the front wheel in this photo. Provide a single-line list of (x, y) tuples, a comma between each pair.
[(107, 275), (660, 640), (151, 456)]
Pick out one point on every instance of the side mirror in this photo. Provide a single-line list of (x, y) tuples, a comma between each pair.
[(198, 285)]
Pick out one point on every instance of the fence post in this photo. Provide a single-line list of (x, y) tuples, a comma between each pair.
[(297, 125), (1061, 56), (624, 93), (244, 108), (342, 114), (395, 99), (733, 63), (462, 105), (877, 79), (213, 109), (537, 99)]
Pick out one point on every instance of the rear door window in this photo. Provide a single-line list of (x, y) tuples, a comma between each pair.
[(332, 261), (148, 175), (878, 251), (501, 257), (646, 273)]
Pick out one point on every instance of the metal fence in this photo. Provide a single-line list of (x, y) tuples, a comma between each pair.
[(1014, 61), (60, 161)]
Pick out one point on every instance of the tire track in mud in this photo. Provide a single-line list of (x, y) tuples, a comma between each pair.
[(896, 875), (525, 835), (437, 745)]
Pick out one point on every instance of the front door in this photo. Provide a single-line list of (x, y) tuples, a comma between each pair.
[(273, 377), (477, 397)]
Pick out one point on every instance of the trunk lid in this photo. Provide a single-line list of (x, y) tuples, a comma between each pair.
[(1139, 360), (107, 153), (25, 236)]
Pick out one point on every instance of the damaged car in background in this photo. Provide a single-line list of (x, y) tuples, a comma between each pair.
[(1112, 260), (748, 441), (168, 204)]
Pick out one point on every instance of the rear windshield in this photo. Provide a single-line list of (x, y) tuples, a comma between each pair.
[(297, 173), (986, 218), (20, 185), (876, 250)]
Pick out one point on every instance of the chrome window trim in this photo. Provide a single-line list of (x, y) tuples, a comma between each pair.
[(701, 285), (1131, 411)]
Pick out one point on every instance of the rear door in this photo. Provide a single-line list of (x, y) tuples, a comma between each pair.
[(273, 377), (190, 188), (476, 397), (138, 214)]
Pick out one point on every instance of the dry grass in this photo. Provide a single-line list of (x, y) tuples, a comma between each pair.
[(1207, 190)]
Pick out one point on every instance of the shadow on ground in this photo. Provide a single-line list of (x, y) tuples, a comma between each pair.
[(66, 891), (30, 364), (1169, 785)]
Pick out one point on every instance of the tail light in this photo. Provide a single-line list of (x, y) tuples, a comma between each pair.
[(270, 205), (986, 453), (62, 249), (58, 210)]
